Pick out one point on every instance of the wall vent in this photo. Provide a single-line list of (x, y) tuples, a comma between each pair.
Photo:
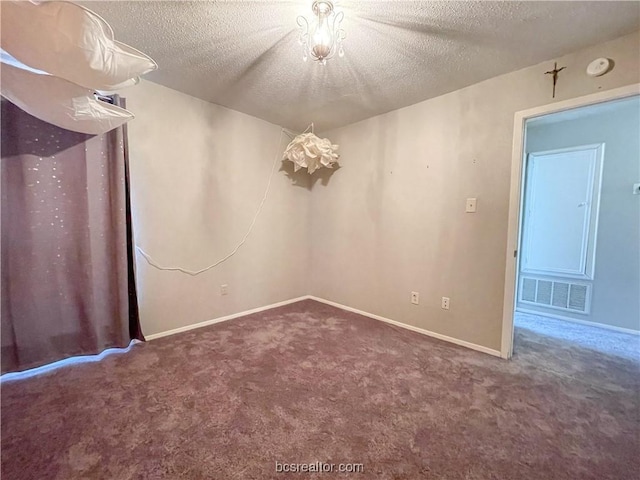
[(561, 295)]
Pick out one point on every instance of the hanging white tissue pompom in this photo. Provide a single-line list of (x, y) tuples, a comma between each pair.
[(310, 152)]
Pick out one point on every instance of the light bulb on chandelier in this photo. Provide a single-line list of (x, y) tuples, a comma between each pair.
[(322, 37)]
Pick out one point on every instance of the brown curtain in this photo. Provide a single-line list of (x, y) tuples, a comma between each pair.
[(67, 260)]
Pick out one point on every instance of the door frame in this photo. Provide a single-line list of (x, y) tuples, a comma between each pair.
[(516, 192)]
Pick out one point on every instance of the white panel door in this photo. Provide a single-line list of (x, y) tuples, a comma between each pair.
[(562, 195)]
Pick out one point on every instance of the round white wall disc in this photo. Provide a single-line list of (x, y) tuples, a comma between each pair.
[(598, 67)]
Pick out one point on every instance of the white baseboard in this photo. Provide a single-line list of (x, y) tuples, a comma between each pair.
[(439, 336), (206, 323), (575, 320)]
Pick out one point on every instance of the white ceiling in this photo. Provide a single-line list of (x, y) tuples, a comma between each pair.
[(245, 54)]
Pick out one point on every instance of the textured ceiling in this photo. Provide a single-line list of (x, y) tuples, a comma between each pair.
[(245, 54)]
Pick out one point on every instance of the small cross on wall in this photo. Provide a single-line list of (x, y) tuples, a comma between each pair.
[(554, 73)]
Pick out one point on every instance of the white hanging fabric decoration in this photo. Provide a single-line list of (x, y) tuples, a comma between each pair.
[(71, 42), (311, 152), (59, 54), (60, 102)]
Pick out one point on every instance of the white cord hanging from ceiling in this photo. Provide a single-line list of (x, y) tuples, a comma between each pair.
[(317, 156), (193, 273)]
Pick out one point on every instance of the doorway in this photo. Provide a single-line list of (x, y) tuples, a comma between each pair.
[(574, 272)]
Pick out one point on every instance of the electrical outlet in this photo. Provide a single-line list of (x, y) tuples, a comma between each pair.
[(224, 289), (415, 298), (445, 303), (471, 205)]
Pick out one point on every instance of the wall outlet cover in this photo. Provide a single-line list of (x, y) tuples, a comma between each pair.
[(445, 303), (415, 298), (471, 205)]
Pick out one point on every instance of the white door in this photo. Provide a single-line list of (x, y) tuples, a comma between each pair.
[(562, 194)]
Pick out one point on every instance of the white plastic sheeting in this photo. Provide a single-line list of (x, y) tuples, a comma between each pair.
[(60, 102), (311, 152), (57, 55), (71, 42)]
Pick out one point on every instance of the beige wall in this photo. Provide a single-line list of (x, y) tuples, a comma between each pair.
[(198, 174), (389, 222), (392, 220), (616, 284)]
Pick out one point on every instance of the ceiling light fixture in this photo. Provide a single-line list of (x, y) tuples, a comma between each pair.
[(322, 36)]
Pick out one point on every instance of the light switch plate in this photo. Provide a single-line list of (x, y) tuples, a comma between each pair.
[(471, 205), (636, 188)]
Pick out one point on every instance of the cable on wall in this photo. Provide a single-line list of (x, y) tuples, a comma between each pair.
[(193, 273)]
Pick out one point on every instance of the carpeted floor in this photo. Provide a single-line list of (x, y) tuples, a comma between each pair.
[(606, 341), (308, 382)]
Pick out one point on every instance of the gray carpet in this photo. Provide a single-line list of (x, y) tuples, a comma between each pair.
[(606, 341), (308, 382)]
